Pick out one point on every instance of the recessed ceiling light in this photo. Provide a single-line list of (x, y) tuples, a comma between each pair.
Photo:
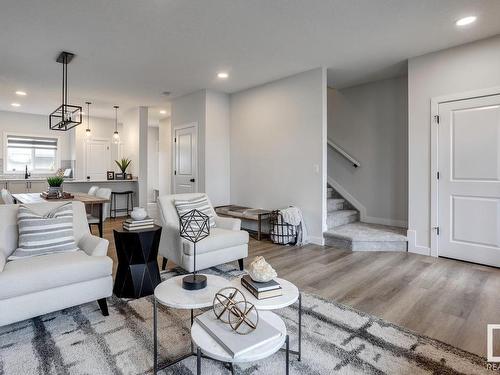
[(222, 75), (466, 21), (15, 104), (21, 93), (163, 112)]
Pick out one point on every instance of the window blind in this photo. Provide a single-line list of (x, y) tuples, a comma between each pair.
[(16, 141)]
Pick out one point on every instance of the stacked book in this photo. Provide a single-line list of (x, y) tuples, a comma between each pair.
[(262, 290), (131, 224), (234, 344)]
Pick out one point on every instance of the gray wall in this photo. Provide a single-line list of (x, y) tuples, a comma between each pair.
[(210, 110), (188, 109), (278, 146), (153, 161), (217, 148), (369, 121), (469, 67)]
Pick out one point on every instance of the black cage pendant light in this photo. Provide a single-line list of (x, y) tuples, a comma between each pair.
[(66, 116)]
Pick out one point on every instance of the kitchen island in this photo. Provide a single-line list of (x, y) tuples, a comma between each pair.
[(83, 186)]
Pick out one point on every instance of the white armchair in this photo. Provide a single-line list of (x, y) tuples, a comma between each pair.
[(226, 242), (38, 285)]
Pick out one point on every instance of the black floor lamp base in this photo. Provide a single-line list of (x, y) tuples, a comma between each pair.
[(194, 282)]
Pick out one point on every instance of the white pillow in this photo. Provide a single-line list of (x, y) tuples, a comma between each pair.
[(183, 206), (44, 234)]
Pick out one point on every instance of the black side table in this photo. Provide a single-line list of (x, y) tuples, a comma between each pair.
[(137, 252)]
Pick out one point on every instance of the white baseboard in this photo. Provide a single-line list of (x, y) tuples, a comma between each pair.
[(317, 240), (412, 244)]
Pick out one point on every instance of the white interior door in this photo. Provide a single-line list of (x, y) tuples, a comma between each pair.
[(97, 159), (469, 183), (185, 160)]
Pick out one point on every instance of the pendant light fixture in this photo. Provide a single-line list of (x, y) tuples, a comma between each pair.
[(66, 116), (88, 133), (116, 136)]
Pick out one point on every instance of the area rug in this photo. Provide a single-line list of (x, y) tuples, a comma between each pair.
[(336, 339)]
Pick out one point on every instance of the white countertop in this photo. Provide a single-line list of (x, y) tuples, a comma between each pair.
[(3, 178), (70, 181), (66, 181)]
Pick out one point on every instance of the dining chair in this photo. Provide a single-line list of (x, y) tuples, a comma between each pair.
[(93, 217), (7, 197), (89, 207)]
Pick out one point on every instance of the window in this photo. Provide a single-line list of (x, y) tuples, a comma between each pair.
[(38, 153)]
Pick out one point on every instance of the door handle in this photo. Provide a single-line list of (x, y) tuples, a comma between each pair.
[(192, 180)]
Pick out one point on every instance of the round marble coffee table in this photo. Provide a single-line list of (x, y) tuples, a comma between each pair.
[(171, 294), (291, 294), (209, 347)]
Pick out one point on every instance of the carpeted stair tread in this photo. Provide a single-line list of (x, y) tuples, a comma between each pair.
[(367, 232), (335, 204)]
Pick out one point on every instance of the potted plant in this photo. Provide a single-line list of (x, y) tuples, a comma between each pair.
[(55, 184), (123, 165)]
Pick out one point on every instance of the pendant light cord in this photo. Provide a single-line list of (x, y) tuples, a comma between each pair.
[(88, 115)]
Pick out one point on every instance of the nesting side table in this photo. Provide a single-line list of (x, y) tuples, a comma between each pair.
[(171, 294), (291, 295), (208, 346)]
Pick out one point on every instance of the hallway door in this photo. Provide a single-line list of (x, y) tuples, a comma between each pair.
[(185, 159), (469, 180)]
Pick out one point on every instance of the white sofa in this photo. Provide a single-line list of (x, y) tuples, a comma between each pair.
[(38, 285), (226, 242)]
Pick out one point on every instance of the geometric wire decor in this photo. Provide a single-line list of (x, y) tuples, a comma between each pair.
[(66, 116), (194, 226), (231, 307)]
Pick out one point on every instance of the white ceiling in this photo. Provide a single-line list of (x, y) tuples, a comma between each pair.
[(130, 51)]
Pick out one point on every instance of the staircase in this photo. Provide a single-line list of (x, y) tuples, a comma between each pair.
[(345, 231)]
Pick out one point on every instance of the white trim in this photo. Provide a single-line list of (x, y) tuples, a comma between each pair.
[(385, 221), (411, 236), (172, 143), (435, 102), (362, 209), (39, 172), (317, 240), (357, 205)]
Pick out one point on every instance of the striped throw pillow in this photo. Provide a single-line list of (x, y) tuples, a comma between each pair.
[(183, 206), (44, 234)]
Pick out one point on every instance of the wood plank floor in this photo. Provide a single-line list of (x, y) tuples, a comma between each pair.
[(448, 300)]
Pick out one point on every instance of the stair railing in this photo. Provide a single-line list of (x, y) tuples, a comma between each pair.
[(344, 153)]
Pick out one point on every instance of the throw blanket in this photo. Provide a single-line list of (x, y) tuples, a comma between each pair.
[(293, 216)]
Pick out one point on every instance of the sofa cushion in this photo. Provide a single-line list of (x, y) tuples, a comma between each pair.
[(29, 275), (219, 239), (201, 204), (44, 234)]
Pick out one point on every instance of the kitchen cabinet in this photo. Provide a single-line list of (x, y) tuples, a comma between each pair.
[(37, 186), (16, 187)]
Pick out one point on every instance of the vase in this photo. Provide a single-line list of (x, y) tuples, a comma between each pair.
[(138, 213), (55, 189)]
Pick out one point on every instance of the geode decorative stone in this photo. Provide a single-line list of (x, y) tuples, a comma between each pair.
[(261, 271)]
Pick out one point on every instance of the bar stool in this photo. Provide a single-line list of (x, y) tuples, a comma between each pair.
[(130, 203)]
